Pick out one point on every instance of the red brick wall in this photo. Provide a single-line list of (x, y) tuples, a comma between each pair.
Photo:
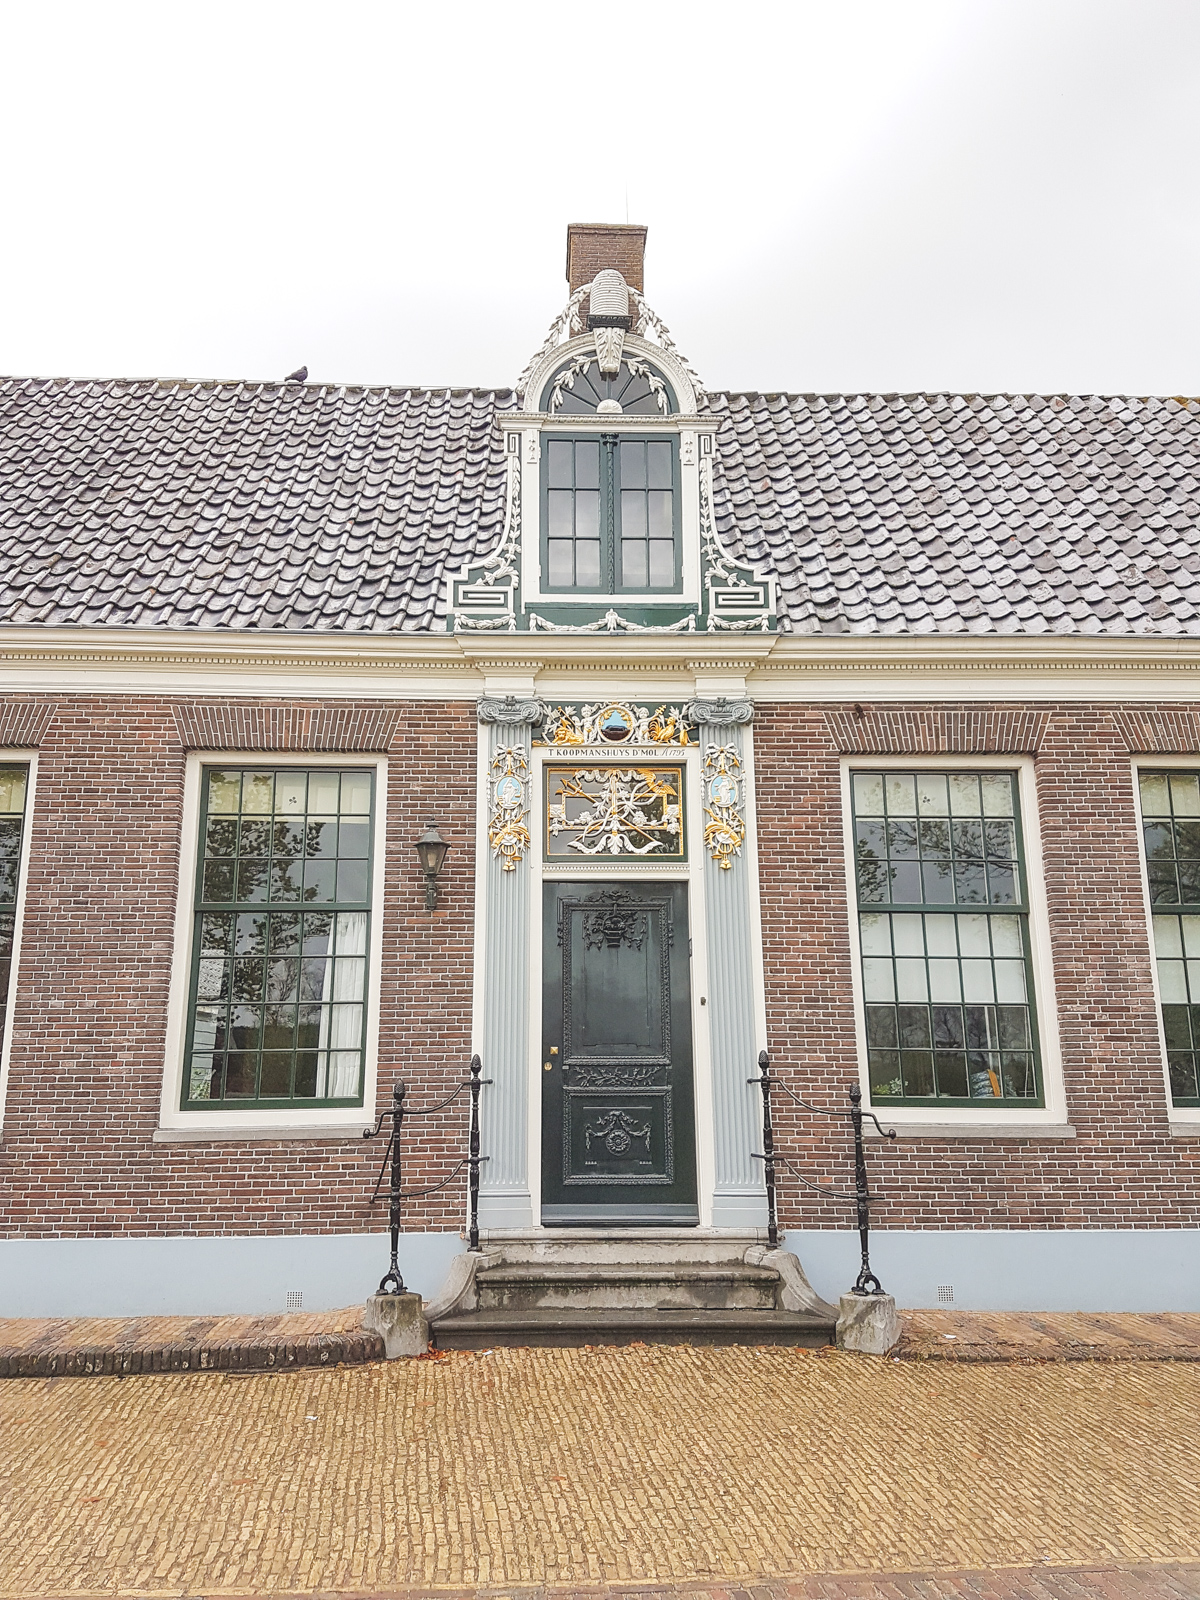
[(1123, 1169), (91, 1002)]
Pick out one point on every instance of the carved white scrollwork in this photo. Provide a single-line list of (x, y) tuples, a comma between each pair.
[(510, 709), (725, 830), (508, 805), (720, 713)]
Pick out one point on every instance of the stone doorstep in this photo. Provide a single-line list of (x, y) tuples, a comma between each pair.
[(549, 1328)]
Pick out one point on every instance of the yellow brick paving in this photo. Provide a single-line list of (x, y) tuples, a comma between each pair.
[(575, 1466)]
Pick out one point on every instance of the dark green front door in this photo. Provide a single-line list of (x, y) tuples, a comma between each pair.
[(618, 1124)]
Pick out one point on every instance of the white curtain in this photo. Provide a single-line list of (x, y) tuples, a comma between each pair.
[(341, 1017)]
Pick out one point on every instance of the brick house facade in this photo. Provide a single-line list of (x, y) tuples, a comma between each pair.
[(294, 586)]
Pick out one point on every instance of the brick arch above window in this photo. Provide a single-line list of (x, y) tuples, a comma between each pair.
[(23, 723), (1163, 731), (954, 730), (231, 725)]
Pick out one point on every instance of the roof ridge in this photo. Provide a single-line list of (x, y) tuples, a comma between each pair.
[(255, 385)]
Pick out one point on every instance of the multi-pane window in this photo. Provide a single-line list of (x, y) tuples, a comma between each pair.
[(1171, 830), (14, 783), (610, 514), (277, 1011), (944, 935)]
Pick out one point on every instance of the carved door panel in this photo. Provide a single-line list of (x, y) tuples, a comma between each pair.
[(618, 1124)]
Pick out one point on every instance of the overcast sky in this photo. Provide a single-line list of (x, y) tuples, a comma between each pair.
[(974, 195)]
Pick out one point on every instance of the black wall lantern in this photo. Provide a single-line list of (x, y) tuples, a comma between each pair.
[(431, 850)]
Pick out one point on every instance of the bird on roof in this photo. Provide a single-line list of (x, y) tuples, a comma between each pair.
[(299, 376)]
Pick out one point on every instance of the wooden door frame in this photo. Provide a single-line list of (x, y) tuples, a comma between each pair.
[(692, 872)]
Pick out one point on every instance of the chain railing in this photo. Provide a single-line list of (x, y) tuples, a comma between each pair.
[(392, 1282), (867, 1282)]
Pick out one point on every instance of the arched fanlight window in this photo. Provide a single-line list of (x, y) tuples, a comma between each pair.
[(579, 389)]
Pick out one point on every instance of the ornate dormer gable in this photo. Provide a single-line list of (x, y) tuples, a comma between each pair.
[(609, 524)]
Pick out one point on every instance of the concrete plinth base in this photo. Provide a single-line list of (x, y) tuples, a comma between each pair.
[(400, 1323), (867, 1323)]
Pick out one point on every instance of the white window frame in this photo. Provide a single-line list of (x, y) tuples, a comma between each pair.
[(17, 758), (267, 1122), (1049, 1120), (1185, 1119)]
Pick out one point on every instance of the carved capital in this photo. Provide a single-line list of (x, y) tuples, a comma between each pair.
[(720, 713), (510, 710)]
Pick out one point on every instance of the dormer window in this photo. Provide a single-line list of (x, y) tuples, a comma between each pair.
[(611, 514)]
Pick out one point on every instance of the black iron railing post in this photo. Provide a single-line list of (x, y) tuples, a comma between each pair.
[(867, 1282), (764, 1082), (392, 1282), (473, 1153)]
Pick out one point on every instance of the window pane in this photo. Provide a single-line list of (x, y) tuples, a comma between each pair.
[(868, 794), (270, 963), (560, 564), (1155, 795), (658, 464), (874, 935), (932, 797), (587, 514), (633, 464), (587, 565), (1185, 794), (901, 789), (662, 564), (587, 464), (559, 453), (660, 505), (559, 519), (633, 564), (633, 514)]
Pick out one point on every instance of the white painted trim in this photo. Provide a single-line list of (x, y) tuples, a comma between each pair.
[(1037, 672), (268, 1122), (1182, 1119), (17, 758), (754, 889), (961, 1118), (690, 871)]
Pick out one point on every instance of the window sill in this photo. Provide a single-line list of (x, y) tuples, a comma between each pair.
[(347, 1133), (1184, 1130), (972, 1130)]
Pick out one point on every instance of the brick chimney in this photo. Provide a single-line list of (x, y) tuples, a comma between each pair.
[(593, 246)]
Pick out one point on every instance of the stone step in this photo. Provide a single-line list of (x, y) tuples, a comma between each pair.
[(631, 1246), (579, 1285), (487, 1330)]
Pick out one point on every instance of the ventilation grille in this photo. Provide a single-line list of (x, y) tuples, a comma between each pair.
[(295, 1299), (945, 1293)]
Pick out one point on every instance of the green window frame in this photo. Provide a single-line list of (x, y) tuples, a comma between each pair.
[(14, 792), (950, 1012), (1170, 808), (281, 949), (611, 514)]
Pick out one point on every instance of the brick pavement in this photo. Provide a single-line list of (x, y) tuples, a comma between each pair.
[(87, 1346), (576, 1469)]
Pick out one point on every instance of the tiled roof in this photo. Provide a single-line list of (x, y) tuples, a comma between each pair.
[(295, 506), (932, 514), (242, 505)]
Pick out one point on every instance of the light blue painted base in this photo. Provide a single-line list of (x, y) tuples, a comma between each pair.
[(210, 1276), (1014, 1270)]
